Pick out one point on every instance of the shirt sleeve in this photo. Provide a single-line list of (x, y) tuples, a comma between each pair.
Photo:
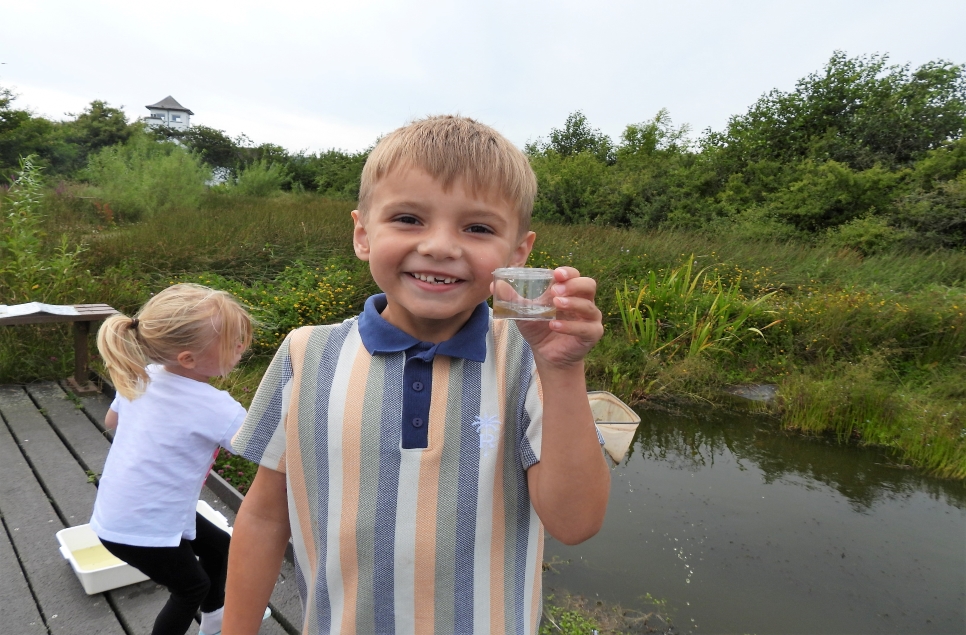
[(261, 437), (237, 416), (533, 420)]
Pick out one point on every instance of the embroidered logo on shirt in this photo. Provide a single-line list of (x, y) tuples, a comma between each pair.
[(488, 426)]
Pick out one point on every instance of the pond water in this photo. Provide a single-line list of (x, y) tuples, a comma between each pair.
[(741, 528)]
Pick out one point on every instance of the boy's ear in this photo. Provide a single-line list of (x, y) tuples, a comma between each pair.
[(360, 239), (186, 359), (522, 251)]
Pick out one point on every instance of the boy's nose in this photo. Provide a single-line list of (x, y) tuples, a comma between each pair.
[(439, 244)]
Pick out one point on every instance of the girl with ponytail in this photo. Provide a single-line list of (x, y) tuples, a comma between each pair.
[(169, 425)]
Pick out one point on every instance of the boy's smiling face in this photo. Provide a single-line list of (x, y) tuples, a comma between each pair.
[(433, 251)]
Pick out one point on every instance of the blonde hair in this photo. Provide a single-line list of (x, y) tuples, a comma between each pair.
[(449, 148), (183, 317)]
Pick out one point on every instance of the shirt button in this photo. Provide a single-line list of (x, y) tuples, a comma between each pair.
[(417, 422), (417, 386)]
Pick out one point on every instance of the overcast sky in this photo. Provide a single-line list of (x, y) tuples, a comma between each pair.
[(318, 75)]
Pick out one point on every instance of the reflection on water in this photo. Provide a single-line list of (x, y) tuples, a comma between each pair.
[(745, 529)]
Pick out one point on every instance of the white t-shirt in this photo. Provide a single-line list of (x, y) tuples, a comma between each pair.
[(163, 448)]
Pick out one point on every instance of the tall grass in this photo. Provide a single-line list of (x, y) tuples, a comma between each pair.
[(838, 312), (241, 237), (863, 402), (33, 266), (621, 254)]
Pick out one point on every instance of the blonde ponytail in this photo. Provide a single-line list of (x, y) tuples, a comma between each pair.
[(183, 317), (123, 356)]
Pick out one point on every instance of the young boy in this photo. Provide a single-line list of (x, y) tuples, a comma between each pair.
[(416, 452)]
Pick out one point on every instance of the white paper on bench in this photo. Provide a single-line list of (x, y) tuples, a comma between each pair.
[(33, 308)]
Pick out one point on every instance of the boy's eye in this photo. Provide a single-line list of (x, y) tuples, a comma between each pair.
[(409, 220), (479, 229)]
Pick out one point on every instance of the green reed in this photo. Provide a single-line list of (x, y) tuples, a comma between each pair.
[(687, 311)]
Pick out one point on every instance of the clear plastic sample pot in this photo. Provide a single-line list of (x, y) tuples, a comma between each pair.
[(523, 293)]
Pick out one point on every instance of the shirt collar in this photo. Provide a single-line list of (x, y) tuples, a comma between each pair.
[(379, 336)]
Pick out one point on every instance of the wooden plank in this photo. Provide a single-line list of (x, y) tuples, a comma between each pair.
[(139, 605), (53, 464), (67, 417), (32, 522), (18, 609), (95, 406), (271, 627)]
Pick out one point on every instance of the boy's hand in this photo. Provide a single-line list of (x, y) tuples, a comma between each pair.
[(565, 340)]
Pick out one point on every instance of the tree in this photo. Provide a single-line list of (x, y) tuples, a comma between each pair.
[(577, 136), (857, 111), (99, 126), (339, 173), (655, 135), (214, 147), (21, 134), (266, 152)]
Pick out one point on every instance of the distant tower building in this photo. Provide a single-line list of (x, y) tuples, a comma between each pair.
[(168, 112)]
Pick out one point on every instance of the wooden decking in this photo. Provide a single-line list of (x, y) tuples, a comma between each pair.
[(51, 443)]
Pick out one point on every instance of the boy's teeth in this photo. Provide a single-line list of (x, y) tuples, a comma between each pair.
[(434, 279)]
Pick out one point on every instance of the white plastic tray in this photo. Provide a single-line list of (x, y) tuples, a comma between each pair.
[(106, 578), (96, 580)]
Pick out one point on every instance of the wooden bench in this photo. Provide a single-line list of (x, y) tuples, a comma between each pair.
[(86, 313)]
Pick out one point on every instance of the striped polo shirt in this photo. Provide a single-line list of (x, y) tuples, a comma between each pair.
[(441, 539)]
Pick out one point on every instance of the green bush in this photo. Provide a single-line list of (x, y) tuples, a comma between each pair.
[(571, 189), (338, 173), (261, 178), (756, 223), (144, 177), (829, 194), (300, 295), (868, 235), (934, 218)]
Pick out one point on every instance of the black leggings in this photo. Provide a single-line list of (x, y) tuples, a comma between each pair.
[(193, 582)]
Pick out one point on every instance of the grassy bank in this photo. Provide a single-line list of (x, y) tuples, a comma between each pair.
[(870, 349)]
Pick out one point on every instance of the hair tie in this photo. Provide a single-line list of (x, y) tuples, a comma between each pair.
[(134, 323)]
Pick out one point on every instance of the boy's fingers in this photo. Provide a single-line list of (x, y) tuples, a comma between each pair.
[(577, 308), (579, 286), (562, 274)]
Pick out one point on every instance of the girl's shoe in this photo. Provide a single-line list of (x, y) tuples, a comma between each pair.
[(267, 614)]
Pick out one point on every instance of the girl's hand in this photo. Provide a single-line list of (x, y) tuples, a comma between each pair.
[(564, 341)]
